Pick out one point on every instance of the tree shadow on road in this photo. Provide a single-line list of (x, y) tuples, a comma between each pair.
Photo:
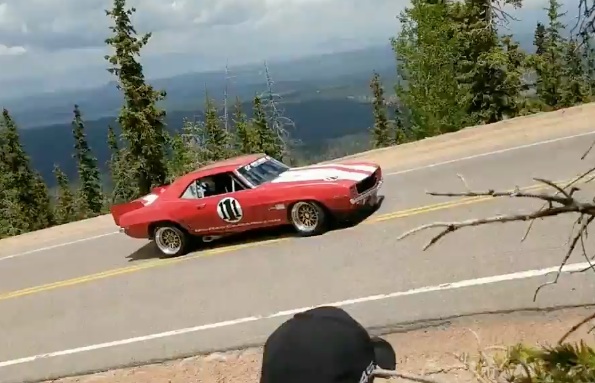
[(150, 251)]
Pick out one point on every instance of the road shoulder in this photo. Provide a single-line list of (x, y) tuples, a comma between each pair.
[(422, 348)]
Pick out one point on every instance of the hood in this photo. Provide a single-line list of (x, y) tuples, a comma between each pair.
[(327, 172)]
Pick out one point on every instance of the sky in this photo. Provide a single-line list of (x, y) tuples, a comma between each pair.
[(59, 44)]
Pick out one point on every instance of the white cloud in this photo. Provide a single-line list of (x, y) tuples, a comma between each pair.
[(12, 51), (64, 39)]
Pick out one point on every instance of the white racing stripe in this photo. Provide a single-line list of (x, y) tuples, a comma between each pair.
[(363, 168), (234, 322), (321, 174)]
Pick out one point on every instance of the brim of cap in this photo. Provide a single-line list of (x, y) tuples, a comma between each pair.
[(384, 353)]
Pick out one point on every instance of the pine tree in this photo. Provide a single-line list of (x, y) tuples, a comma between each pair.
[(141, 120), (536, 63), (268, 141), (65, 209), (124, 187), (25, 187), (246, 138), (188, 151), (539, 39), (217, 139), (485, 69), (551, 64), (588, 58), (12, 221), (43, 204), (90, 194), (575, 86), (381, 132), (400, 136), (427, 52)]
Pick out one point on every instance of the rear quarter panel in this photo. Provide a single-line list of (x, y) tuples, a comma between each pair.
[(137, 222)]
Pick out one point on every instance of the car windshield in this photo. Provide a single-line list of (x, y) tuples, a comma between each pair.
[(264, 169)]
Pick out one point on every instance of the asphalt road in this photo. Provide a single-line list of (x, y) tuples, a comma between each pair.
[(109, 301)]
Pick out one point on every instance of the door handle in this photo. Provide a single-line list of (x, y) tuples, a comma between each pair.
[(201, 206)]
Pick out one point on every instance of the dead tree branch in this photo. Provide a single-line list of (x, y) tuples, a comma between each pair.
[(574, 328), (562, 201), (403, 375)]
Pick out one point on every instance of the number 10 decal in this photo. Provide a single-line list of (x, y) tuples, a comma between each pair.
[(229, 210)]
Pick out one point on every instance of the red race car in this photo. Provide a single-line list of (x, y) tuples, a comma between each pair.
[(248, 192)]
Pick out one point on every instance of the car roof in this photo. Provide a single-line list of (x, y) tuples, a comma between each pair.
[(223, 166)]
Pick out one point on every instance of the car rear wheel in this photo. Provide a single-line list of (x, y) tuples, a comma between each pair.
[(308, 218), (170, 240)]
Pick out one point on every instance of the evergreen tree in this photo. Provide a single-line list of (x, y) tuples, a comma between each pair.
[(536, 60), (588, 58), (381, 132), (216, 137), (26, 193), (140, 118), (400, 136), (12, 221), (551, 63), (90, 194), (268, 141), (484, 69), (539, 39), (124, 187), (65, 209), (188, 152), (45, 213), (427, 53), (246, 138), (575, 85)]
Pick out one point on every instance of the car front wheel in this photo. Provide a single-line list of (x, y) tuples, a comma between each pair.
[(170, 240), (308, 218)]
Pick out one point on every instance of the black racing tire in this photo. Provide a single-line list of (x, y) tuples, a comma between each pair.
[(309, 218), (171, 240)]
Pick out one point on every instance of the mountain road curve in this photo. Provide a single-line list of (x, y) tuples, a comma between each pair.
[(106, 301)]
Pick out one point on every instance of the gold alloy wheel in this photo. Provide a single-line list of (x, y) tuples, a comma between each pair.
[(305, 216), (168, 240)]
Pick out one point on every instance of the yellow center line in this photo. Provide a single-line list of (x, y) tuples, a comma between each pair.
[(228, 249)]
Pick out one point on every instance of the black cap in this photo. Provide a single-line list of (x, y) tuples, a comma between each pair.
[(323, 345)]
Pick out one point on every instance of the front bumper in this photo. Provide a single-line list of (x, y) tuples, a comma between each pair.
[(369, 196)]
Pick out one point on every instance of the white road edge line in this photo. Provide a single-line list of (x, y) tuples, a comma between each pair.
[(420, 290), (16, 255), (500, 151), (41, 249)]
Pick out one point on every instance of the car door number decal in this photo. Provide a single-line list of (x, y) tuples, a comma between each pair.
[(230, 210)]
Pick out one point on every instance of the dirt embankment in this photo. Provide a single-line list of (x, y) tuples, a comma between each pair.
[(423, 351)]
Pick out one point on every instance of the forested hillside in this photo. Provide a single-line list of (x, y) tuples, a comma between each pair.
[(454, 70)]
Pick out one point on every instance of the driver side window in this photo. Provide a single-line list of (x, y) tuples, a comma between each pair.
[(211, 186), (200, 188)]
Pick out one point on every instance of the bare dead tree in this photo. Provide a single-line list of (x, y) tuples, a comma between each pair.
[(559, 200), (497, 14), (228, 77), (585, 23), (275, 114)]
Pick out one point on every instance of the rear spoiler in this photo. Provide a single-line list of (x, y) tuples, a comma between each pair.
[(118, 210)]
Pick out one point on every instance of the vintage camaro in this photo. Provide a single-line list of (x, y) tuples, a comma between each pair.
[(248, 192)]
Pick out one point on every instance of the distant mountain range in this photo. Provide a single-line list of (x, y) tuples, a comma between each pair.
[(294, 80), (332, 75)]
